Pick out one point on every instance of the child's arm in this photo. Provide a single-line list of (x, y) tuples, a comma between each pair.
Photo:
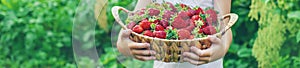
[(128, 47), (225, 6), (218, 48)]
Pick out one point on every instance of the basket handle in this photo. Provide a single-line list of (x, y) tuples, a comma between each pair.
[(115, 13), (233, 18)]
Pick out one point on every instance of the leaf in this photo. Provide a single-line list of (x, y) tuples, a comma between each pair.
[(294, 14), (244, 52), (59, 45), (298, 37), (7, 4)]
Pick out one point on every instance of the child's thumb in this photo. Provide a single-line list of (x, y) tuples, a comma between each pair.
[(214, 39), (126, 33)]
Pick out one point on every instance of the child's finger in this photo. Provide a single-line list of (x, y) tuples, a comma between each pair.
[(191, 55), (134, 45), (143, 52), (201, 53), (193, 61), (144, 58)]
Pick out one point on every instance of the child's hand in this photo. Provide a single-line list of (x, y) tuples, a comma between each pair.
[(199, 57), (140, 51)]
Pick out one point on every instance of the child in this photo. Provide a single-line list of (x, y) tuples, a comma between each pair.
[(209, 58)]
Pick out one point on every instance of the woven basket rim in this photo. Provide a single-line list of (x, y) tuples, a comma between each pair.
[(167, 40)]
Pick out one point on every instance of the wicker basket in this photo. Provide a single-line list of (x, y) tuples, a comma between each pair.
[(171, 50)]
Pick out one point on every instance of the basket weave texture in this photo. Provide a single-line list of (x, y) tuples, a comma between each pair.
[(170, 51)]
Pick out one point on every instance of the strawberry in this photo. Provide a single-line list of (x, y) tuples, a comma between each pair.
[(156, 21), (160, 34), (153, 12), (192, 37), (145, 24), (167, 15), (141, 11), (184, 34), (190, 27), (212, 19), (200, 31), (209, 30), (191, 12), (172, 7), (131, 25), (184, 6), (183, 15), (178, 23), (159, 28), (199, 11), (149, 33), (137, 29), (195, 17), (204, 25), (164, 23)]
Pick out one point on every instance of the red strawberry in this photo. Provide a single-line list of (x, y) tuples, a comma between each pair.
[(137, 29), (200, 31), (195, 17), (145, 24), (143, 9), (159, 28), (172, 6), (160, 34), (191, 12), (153, 12), (184, 6), (204, 25), (183, 15), (184, 34), (179, 23), (191, 26), (164, 23), (167, 14), (131, 25), (192, 37), (209, 30), (141, 12), (149, 33), (199, 11), (212, 19), (156, 21)]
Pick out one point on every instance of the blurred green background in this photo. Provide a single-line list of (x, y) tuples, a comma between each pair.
[(38, 34)]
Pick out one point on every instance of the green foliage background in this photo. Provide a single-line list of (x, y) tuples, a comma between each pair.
[(277, 43), (38, 33)]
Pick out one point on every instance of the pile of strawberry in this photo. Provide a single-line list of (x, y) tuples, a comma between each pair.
[(168, 21)]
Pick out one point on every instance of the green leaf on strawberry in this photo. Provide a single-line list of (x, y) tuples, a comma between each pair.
[(199, 23), (172, 34), (153, 26), (196, 33)]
